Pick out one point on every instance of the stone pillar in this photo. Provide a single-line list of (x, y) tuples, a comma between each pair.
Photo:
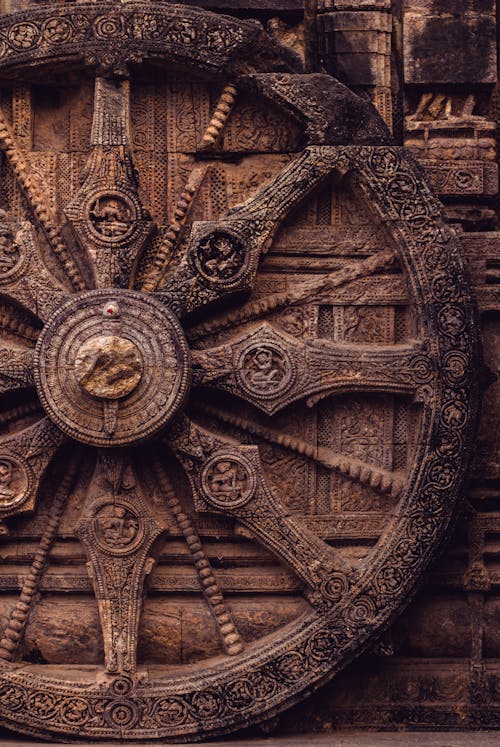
[(354, 39)]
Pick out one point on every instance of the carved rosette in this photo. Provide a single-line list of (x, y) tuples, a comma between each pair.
[(112, 367)]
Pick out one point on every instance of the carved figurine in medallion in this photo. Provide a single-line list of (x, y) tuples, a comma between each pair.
[(6, 492), (17, 481), (228, 480), (111, 216), (265, 369), (116, 527), (220, 257)]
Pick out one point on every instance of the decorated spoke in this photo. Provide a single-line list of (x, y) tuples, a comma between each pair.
[(384, 481), (229, 480), (165, 244), (118, 531), (222, 259), (14, 630), (24, 277), (18, 323), (107, 215), (24, 458), (347, 368), (301, 293), (34, 195), (16, 368), (271, 369), (225, 624)]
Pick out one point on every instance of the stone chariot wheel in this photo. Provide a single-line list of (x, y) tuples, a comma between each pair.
[(237, 367)]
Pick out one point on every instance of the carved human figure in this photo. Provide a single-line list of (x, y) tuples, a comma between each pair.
[(227, 479), (220, 257), (117, 527), (110, 217), (263, 369)]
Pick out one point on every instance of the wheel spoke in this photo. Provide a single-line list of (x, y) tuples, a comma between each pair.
[(25, 279), (16, 368), (165, 245), (222, 258), (18, 323), (208, 583), (344, 367), (107, 215), (227, 478), (24, 410), (118, 532), (24, 458), (364, 473), (270, 369), (306, 291), (33, 191), (16, 624)]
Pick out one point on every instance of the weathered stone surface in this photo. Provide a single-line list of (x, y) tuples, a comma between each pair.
[(324, 5), (336, 116), (435, 628), (357, 46), (108, 366), (342, 739), (449, 41)]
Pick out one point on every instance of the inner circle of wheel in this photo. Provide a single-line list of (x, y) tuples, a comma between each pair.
[(114, 314)]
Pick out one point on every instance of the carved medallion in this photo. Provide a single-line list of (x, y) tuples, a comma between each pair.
[(228, 480), (225, 369), (111, 216), (265, 369), (112, 367), (16, 483), (117, 528), (220, 258)]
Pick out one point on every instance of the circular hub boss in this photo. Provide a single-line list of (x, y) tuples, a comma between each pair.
[(112, 367), (304, 446)]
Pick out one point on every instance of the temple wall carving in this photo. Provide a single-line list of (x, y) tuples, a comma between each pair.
[(240, 368)]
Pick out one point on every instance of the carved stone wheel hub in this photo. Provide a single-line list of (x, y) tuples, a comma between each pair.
[(108, 367), (276, 324), (112, 367)]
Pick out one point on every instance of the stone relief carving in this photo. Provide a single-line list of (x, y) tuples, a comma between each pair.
[(152, 352)]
